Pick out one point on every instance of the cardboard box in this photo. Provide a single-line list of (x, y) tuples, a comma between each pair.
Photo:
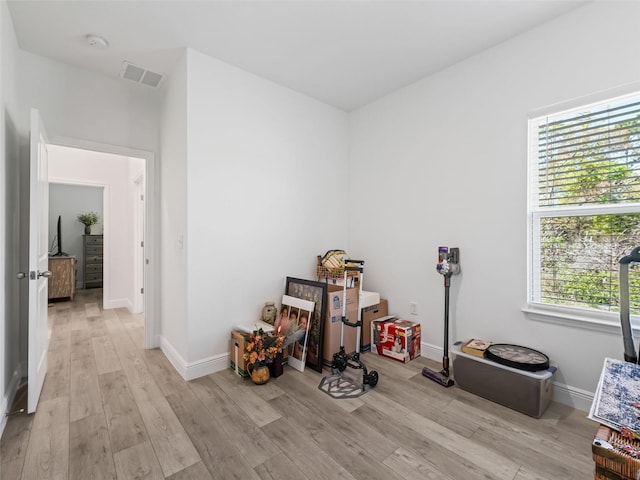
[(369, 314), (395, 338), (527, 392), (368, 299), (236, 352), (333, 322)]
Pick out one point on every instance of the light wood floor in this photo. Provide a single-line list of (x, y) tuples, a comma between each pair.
[(110, 409)]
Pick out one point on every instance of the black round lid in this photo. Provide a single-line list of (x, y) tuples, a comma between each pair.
[(516, 356)]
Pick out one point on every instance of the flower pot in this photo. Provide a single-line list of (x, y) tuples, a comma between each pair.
[(87, 229), (276, 368), (259, 374)]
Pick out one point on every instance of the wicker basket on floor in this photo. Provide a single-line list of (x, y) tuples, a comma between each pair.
[(618, 464), (602, 474)]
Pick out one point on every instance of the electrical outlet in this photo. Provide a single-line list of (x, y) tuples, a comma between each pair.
[(413, 308)]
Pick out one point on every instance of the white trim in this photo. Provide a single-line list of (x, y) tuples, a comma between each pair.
[(175, 359), (607, 322), (431, 352), (197, 369), (9, 396), (562, 393), (590, 210), (100, 147), (151, 229), (573, 397), (138, 255), (119, 303), (207, 366), (585, 101)]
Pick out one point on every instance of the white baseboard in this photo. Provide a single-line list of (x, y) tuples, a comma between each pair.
[(8, 397), (118, 303), (207, 366), (431, 352), (565, 394), (574, 397), (174, 357), (197, 369)]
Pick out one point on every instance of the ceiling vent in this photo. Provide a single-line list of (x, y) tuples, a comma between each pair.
[(138, 74)]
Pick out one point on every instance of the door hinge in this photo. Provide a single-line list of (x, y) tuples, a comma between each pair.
[(142, 197), (142, 291), (142, 243)]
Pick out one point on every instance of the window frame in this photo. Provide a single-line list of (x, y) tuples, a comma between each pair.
[(583, 318)]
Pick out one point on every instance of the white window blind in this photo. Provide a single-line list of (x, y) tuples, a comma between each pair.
[(584, 204)]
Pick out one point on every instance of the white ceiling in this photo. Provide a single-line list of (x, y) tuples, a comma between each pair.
[(343, 52)]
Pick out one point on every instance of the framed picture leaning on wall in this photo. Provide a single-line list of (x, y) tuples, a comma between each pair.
[(296, 311), (315, 292)]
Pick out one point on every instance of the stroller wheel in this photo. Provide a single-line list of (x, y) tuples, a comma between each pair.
[(372, 378), (339, 362)]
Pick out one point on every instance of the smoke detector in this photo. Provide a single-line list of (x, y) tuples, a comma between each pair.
[(98, 42), (137, 74)]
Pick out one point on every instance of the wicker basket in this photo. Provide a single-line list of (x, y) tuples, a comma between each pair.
[(617, 464), (602, 474), (337, 273)]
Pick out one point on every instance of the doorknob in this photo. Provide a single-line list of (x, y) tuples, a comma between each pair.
[(21, 275), (45, 274)]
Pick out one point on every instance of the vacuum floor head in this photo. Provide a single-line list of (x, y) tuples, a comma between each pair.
[(438, 377)]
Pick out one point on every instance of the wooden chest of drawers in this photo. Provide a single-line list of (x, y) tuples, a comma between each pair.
[(62, 282), (92, 270)]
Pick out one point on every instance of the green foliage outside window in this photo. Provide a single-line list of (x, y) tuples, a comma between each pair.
[(589, 160)]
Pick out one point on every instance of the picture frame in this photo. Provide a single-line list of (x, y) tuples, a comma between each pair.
[(300, 312), (315, 292)]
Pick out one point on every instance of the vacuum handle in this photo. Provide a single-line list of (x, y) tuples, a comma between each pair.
[(625, 322), (633, 257)]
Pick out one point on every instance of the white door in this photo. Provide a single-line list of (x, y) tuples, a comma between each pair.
[(39, 331)]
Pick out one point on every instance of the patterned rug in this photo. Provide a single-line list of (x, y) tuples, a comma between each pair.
[(616, 402)]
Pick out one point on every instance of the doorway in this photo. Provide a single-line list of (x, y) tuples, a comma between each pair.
[(67, 235), (121, 174)]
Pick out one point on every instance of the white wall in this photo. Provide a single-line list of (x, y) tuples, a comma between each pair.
[(444, 162), (265, 190), (83, 105), (112, 172), (173, 211), (10, 368)]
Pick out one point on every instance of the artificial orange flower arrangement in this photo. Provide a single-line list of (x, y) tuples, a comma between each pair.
[(263, 347)]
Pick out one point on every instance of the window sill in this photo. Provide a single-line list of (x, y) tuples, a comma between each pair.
[(607, 322)]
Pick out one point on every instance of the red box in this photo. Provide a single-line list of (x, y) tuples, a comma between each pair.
[(395, 338)]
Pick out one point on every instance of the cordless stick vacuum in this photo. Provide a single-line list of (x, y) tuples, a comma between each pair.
[(448, 265), (627, 335)]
